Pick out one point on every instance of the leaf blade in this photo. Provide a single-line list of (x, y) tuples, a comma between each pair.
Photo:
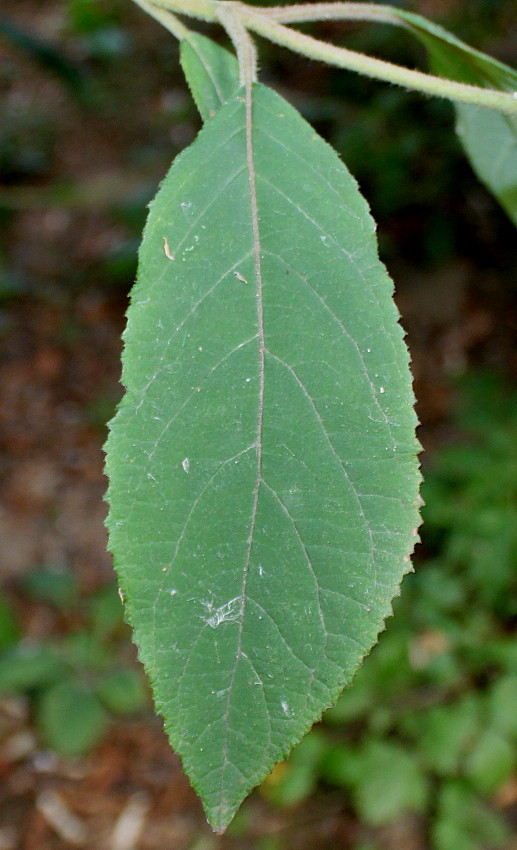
[(489, 137), (212, 73), (282, 542)]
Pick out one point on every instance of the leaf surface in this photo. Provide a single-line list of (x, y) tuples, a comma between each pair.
[(263, 473), (212, 73), (488, 136)]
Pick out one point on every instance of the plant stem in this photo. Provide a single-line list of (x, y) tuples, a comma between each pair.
[(333, 12), (203, 10), (376, 68), (166, 18), (263, 22), (242, 41)]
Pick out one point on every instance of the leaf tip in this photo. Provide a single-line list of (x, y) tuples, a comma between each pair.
[(220, 816)]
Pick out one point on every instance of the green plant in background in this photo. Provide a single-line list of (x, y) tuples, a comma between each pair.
[(433, 708), (75, 682), (263, 476), (97, 26)]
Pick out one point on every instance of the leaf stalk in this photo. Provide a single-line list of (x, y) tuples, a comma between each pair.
[(267, 23)]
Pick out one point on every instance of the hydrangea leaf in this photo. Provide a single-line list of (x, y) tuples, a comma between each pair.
[(263, 473)]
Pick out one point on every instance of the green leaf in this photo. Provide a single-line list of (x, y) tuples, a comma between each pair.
[(489, 137), (105, 611), (390, 784), (502, 702), (212, 73), (464, 822), (83, 650), (122, 691), (24, 668), (342, 765), (58, 588), (70, 718), (263, 461), (445, 733), (491, 761)]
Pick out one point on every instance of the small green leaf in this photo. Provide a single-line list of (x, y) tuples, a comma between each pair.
[(70, 718), (390, 783), (122, 691), (83, 650), (464, 822), (502, 705), (51, 586), (489, 137), (263, 461), (212, 73), (490, 762), (445, 733), (105, 610), (24, 668), (342, 765)]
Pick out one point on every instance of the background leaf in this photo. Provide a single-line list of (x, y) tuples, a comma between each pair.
[(70, 718), (489, 137), (263, 461), (212, 73), (122, 691), (391, 783), (28, 667)]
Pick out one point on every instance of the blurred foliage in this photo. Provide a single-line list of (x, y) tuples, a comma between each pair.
[(97, 27), (429, 725), (48, 56), (400, 146), (27, 142), (78, 678)]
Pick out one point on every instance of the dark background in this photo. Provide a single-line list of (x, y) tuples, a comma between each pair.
[(93, 109)]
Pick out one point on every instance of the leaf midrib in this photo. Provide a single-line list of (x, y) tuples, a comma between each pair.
[(252, 182)]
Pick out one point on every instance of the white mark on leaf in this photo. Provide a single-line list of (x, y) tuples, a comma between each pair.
[(227, 613), (167, 250), (185, 464)]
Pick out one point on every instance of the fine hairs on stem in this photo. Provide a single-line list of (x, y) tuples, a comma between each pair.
[(241, 40), (238, 18)]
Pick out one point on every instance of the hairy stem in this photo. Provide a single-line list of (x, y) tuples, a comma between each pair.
[(376, 68), (333, 12), (242, 41), (203, 10), (166, 18), (265, 22)]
